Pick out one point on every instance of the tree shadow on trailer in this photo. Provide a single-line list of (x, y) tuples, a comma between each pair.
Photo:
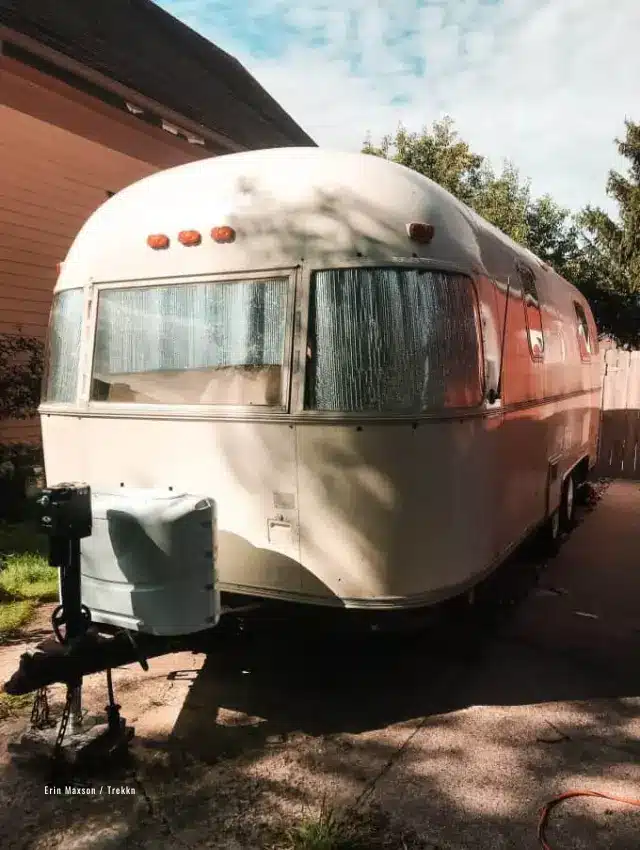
[(329, 687), (327, 684)]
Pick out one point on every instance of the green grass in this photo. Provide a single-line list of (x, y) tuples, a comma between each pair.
[(28, 577), (25, 577), (350, 829), (322, 833), (14, 616), (331, 831), (12, 706)]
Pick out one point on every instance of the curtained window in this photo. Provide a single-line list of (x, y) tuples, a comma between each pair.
[(392, 340), (197, 343)]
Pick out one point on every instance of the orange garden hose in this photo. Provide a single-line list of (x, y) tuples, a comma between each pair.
[(546, 810)]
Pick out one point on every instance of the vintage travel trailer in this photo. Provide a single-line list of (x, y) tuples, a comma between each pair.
[(380, 392)]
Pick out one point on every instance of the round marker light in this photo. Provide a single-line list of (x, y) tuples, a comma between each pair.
[(420, 232), (189, 237), (158, 241), (223, 235)]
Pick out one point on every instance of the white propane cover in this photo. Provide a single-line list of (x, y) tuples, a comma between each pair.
[(149, 565)]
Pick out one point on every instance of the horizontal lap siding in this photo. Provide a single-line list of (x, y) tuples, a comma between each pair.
[(50, 182), (20, 431)]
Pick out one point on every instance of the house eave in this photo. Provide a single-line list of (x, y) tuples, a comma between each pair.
[(129, 97)]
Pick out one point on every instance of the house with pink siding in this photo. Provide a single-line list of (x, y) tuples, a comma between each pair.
[(94, 96)]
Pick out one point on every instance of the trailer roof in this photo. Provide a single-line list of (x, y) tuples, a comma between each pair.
[(286, 205)]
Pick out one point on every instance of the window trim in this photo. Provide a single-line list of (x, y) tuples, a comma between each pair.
[(291, 275), (44, 383), (522, 270), (586, 358), (303, 329)]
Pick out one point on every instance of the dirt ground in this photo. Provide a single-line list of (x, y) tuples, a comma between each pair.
[(453, 745)]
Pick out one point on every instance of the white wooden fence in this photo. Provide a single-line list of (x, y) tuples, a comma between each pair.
[(619, 455)]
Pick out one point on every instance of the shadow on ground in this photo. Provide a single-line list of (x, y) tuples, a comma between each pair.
[(326, 684), (273, 722)]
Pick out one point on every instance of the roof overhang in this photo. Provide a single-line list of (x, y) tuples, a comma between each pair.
[(132, 101)]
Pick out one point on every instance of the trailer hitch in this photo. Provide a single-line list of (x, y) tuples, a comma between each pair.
[(51, 661), (65, 516)]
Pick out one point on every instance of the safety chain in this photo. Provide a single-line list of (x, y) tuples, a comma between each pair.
[(64, 721), (40, 712)]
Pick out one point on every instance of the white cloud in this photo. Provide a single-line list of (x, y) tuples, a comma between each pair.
[(545, 83)]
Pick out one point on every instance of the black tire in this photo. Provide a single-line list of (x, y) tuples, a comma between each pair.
[(584, 492), (568, 503), (550, 537)]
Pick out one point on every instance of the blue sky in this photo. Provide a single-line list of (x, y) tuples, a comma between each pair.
[(546, 84)]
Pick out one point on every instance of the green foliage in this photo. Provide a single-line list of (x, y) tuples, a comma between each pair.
[(600, 256), (11, 706), (22, 538), (609, 264), (21, 465), (29, 576), (504, 201), (346, 830), (612, 248), (25, 577), (21, 369), (553, 235), (324, 833), (13, 617), (438, 154)]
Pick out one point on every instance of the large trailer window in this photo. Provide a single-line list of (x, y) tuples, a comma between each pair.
[(392, 340), (65, 330), (200, 343)]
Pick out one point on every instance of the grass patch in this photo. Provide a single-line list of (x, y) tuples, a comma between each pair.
[(351, 829), (11, 706), (25, 576), (348, 830), (325, 832), (28, 577), (14, 616)]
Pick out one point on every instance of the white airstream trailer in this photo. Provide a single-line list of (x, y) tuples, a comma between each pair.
[(382, 393)]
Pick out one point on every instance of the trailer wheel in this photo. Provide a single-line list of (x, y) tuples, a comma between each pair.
[(568, 503), (551, 533)]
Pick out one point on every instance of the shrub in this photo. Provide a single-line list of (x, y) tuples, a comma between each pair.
[(21, 465), (21, 370)]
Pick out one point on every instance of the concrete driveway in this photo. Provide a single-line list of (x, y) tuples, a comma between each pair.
[(450, 742)]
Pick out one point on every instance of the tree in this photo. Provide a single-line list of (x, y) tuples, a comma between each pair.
[(437, 153), (504, 201), (599, 256), (619, 242), (552, 235), (440, 154), (611, 249)]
